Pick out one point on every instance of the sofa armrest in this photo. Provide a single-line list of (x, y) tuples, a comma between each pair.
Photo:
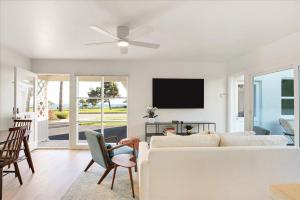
[(143, 170), (143, 152)]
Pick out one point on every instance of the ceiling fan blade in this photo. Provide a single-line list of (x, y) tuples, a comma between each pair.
[(144, 44), (98, 43), (102, 31), (124, 50)]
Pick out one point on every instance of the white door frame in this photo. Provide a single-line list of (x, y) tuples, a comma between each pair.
[(18, 72), (249, 96)]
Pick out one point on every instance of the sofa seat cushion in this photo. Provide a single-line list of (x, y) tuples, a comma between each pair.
[(196, 140), (253, 140)]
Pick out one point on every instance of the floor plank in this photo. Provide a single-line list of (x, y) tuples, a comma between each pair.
[(55, 172)]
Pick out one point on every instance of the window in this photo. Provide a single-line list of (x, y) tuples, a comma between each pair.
[(102, 106), (287, 97)]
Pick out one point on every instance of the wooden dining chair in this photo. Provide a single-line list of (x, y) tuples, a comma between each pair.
[(27, 155), (9, 153)]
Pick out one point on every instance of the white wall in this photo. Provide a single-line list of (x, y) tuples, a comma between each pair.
[(8, 60), (283, 52), (140, 74)]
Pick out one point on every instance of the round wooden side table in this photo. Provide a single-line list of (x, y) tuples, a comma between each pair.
[(127, 161)]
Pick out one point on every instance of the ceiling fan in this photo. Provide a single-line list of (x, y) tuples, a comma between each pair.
[(121, 39)]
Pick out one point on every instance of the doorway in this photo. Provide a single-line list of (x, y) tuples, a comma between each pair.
[(53, 110), (237, 103)]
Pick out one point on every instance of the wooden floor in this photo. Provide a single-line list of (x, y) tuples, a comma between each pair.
[(55, 172)]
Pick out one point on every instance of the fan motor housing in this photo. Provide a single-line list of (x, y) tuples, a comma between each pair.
[(122, 31)]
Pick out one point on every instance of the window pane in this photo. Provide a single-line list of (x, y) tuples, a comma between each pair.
[(118, 129), (115, 86), (89, 110), (287, 106), (89, 86), (287, 88), (84, 126)]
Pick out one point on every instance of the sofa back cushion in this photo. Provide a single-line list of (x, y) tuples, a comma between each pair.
[(196, 140), (253, 140)]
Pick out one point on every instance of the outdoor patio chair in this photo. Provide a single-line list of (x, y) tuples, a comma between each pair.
[(288, 129), (103, 152)]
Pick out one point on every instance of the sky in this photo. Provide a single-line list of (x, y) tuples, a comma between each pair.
[(53, 90)]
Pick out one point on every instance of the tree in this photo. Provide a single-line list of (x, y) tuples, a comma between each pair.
[(60, 105), (110, 91), (83, 103)]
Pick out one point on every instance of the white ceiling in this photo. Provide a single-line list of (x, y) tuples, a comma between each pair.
[(186, 30)]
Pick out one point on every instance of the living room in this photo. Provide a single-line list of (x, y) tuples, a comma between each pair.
[(235, 47)]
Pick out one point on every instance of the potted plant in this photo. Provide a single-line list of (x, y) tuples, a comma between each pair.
[(151, 114), (188, 129)]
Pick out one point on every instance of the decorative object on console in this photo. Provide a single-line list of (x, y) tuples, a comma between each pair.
[(151, 114), (169, 130), (188, 129)]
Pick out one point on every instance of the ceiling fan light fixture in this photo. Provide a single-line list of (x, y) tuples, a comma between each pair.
[(123, 43)]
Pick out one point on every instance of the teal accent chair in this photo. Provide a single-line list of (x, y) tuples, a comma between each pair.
[(103, 152)]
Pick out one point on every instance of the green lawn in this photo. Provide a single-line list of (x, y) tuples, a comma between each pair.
[(106, 110), (96, 110), (108, 124), (111, 117)]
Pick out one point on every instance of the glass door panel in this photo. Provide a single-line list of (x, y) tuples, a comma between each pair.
[(273, 104), (102, 110), (115, 106), (89, 98)]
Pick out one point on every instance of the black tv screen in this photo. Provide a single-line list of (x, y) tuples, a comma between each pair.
[(177, 93)]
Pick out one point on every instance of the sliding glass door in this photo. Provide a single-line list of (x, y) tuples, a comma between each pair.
[(273, 104), (101, 106)]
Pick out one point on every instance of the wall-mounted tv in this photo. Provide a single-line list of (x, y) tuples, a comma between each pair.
[(177, 93)]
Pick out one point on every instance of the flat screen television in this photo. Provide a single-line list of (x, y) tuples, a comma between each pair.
[(177, 93)]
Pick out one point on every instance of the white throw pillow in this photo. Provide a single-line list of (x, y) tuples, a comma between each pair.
[(253, 140), (196, 140)]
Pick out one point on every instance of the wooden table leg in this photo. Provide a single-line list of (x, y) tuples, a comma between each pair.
[(113, 180), (28, 154), (131, 181)]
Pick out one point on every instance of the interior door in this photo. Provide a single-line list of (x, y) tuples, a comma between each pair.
[(25, 100), (239, 123)]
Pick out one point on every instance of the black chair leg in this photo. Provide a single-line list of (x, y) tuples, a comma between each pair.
[(17, 172), (89, 165), (105, 174)]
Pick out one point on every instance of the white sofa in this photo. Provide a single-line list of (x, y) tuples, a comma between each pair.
[(177, 170)]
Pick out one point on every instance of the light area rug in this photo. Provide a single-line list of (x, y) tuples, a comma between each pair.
[(85, 187)]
